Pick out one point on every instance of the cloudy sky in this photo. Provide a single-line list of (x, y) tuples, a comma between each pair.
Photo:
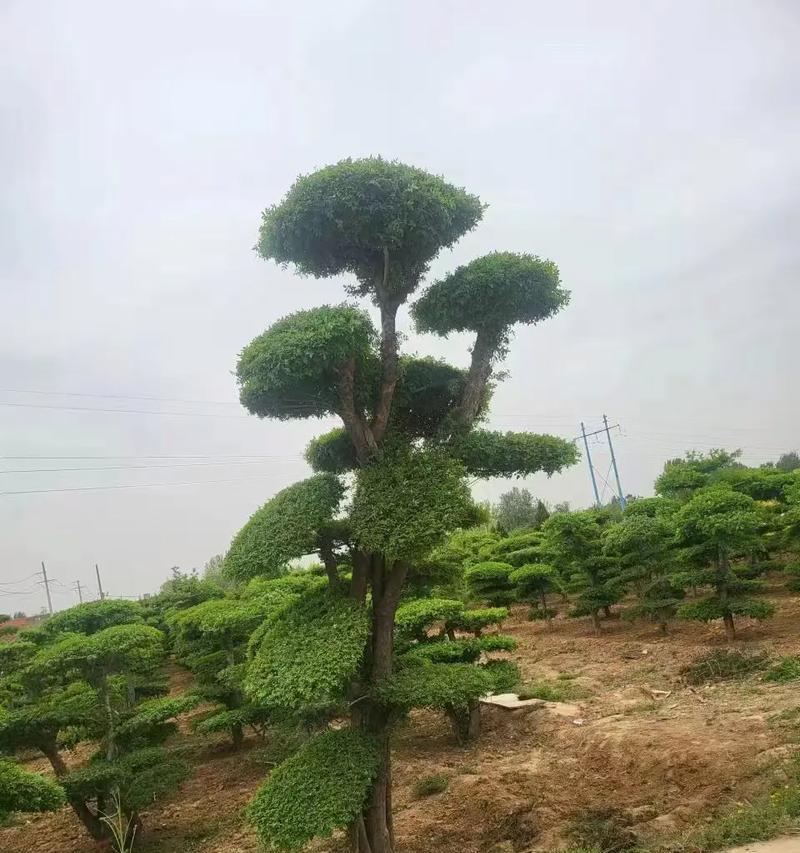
[(651, 149)]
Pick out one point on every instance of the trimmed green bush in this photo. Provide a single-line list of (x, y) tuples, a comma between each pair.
[(322, 787)]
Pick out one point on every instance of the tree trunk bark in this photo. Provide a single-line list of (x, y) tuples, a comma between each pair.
[(389, 358), (51, 753), (480, 369), (730, 627), (331, 568), (237, 736), (387, 583), (94, 826), (596, 621), (359, 432)]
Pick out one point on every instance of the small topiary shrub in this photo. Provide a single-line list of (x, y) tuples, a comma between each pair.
[(793, 571), (26, 792), (722, 665), (430, 785), (786, 669), (491, 582)]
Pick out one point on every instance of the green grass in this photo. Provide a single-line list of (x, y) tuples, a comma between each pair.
[(785, 670), (550, 691), (601, 829), (430, 785), (767, 817)]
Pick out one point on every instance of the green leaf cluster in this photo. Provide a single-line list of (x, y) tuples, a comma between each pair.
[(450, 687), (286, 527), (491, 294), (407, 502), (414, 618), (21, 791), (491, 581), (512, 454), (308, 654), (93, 616), (356, 214), (322, 787), (293, 369)]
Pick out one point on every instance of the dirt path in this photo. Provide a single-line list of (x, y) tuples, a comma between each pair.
[(780, 845)]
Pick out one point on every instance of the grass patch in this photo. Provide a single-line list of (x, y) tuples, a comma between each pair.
[(764, 818), (785, 670), (430, 785), (551, 691), (604, 830), (724, 665)]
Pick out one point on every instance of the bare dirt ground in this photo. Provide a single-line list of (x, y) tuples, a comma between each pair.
[(667, 759)]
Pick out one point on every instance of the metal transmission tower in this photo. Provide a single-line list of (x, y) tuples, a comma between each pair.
[(585, 436), (79, 591)]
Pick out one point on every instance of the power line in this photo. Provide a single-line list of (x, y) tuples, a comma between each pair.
[(116, 396), (184, 456), (122, 411), (297, 407), (21, 580), (147, 467), (130, 486)]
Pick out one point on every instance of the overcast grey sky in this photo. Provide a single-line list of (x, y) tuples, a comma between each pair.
[(652, 149)]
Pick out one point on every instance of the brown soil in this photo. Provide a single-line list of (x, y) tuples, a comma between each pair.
[(665, 762)]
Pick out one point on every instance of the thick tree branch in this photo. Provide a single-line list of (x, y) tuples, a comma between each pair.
[(360, 580), (359, 432), (480, 369), (389, 352)]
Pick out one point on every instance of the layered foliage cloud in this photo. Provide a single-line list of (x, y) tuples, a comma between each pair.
[(408, 501), (321, 788), (491, 294), (292, 369), (350, 216), (286, 527), (306, 656), (512, 454)]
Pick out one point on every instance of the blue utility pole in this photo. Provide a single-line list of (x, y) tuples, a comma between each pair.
[(622, 501), (591, 469)]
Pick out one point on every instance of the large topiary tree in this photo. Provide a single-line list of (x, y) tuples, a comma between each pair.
[(409, 435)]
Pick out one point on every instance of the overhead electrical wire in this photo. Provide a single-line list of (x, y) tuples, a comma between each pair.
[(148, 467), (129, 486)]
